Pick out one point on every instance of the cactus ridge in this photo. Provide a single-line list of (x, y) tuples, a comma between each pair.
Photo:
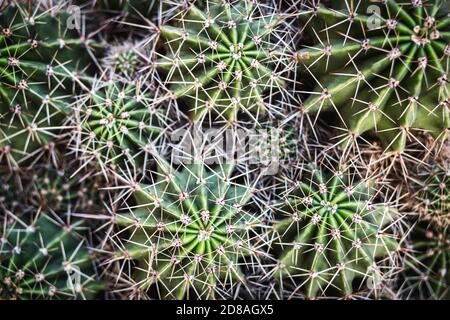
[(223, 58)]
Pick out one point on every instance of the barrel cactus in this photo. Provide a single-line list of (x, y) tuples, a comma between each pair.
[(381, 66), (433, 196), (426, 272), (143, 7), (56, 190), (40, 56), (191, 233), (330, 232), (223, 57), (120, 123), (45, 258)]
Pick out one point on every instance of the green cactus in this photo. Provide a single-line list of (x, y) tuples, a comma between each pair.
[(55, 190), (12, 190), (39, 57), (329, 233), (426, 272), (434, 195), (119, 122), (45, 259), (123, 61), (222, 58), (191, 234), (382, 67)]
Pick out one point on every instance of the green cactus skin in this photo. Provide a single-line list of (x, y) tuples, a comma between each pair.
[(120, 123), (386, 80), (434, 196), (143, 7), (192, 237), (37, 261), (426, 275), (328, 234), (222, 59), (39, 57)]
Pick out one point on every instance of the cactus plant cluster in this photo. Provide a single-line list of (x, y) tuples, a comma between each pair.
[(224, 149)]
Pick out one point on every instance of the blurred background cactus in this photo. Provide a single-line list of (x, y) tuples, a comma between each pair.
[(196, 225), (329, 230)]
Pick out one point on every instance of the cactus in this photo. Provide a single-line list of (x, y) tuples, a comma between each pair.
[(222, 58), (55, 190), (120, 122), (116, 117), (433, 196), (12, 190), (45, 258), (123, 61), (330, 231), (382, 67), (39, 57), (426, 268), (192, 235)]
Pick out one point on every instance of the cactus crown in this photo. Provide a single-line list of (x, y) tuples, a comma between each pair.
[(222, 58), (120, 123), (45, 259), (383, 67), (330, 231), (434, 195), (191, 232)]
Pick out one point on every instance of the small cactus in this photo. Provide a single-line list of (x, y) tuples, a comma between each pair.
[(329, 233), (434, 195), (123, 61), (120, 122)]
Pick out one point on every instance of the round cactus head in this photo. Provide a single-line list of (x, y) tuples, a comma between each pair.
[(383, 66), (426, 272), (40, 54), (125, 60), (222, 58), (45, 258), (330, 233), (434, 196), (120, 122), (56, 190), (191, 233)]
